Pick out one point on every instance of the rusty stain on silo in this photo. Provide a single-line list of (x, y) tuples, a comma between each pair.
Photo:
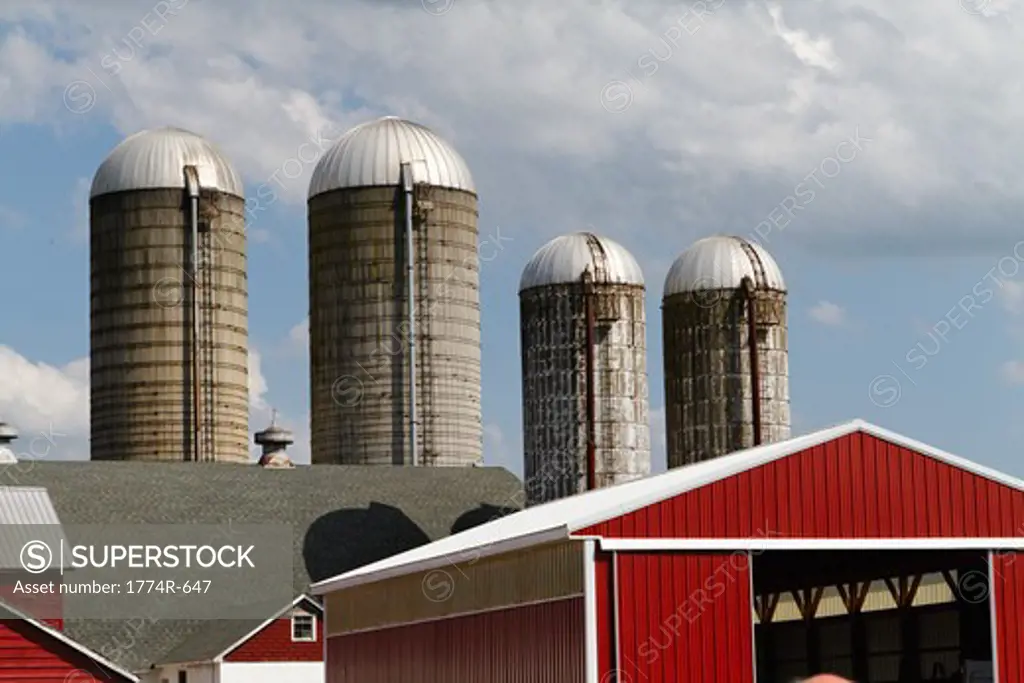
[(709, 390), (553, 333), (141, 316), (359, 335)]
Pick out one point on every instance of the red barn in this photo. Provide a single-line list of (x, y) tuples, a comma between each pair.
[(34, 652), (286, 648), (852, 550)]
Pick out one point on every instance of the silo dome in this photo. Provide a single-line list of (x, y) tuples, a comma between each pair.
[(564, 259), (154, 159), (371, 155), (721, 262)]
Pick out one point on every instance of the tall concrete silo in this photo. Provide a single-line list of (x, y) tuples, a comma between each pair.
[(584, 355), (393, 220), (726, 362), (169, 303)]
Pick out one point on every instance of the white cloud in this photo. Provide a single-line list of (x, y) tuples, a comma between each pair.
[(41, 401), (49, 406), (502, 451), (257, 383), (828, 314), (298, 336), (1012, 371), (1011, 296), (812, 52), (518, 90)]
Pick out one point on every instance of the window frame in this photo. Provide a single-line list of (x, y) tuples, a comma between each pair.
[(312, 628)]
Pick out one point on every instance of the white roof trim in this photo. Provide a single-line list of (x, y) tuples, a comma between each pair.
[(559, 519), (366, 575), (95, 656), (773, 544)]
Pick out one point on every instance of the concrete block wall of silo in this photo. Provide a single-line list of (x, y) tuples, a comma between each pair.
[(553, 322), (359, 360), (708, 381), (140, 335)]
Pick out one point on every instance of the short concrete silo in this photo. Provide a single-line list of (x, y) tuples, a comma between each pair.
[(169, 303), (383, 186), (584, 356), (726, 363)]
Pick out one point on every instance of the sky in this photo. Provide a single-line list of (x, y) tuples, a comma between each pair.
[(872, 147)]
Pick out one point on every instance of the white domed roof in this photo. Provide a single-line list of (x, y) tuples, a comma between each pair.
[(155, 159), (563, 260), (721, 262), (371, 155)]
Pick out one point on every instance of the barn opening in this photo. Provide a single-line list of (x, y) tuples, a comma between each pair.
[(872, 616)]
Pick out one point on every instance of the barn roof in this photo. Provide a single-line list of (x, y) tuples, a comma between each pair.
[(558, 519), (9, 613), (21, 507), (343, 517), (218, 639)]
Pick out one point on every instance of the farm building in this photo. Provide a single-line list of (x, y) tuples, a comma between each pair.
[(342, 517), (852, 550), (287, 647), (32, 651)]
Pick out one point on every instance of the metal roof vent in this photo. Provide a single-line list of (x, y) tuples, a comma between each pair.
[(274, 441), (7, 435)]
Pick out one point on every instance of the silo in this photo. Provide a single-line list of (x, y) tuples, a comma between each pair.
[(726, 363), (169, 303), (584, 360), (382, 187)]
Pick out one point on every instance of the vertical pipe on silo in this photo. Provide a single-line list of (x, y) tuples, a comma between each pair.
[(192, 183), (588, 303), (410, 258), (755, 367)]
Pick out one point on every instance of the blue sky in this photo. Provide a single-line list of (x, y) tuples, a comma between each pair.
[(891, 244)]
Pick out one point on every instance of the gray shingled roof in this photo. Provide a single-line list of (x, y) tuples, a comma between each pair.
[(343, 517)]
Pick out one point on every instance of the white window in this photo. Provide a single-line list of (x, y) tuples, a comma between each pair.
[(303, 627)]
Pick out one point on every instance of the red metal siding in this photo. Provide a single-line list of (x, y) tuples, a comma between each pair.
[(534, 644), (1008, 595), (44, 607), (685, 617), (856, 486), (605, 593), (27, 655), (274, 644)]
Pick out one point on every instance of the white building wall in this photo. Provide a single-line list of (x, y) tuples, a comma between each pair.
[(270, 672), (200, 673)]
